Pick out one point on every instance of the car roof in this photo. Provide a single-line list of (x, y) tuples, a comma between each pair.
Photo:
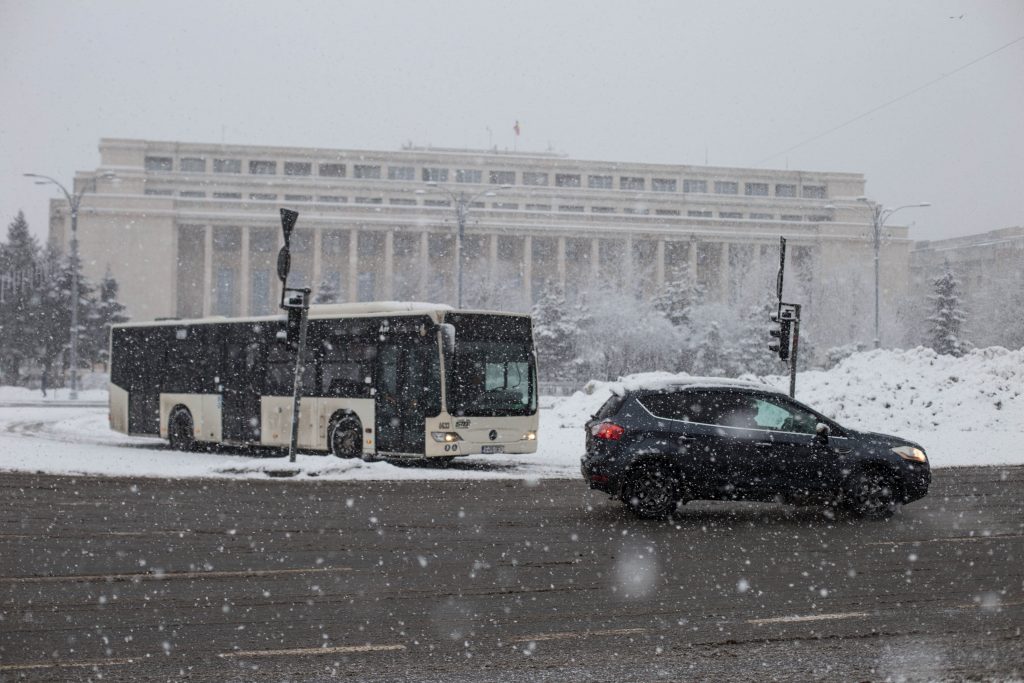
[(665, 382)]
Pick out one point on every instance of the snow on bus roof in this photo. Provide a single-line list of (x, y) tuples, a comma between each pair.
[(662, 381)]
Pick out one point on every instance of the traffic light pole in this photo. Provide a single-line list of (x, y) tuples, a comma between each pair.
[(796, 347), (294, 301), (300, 366)]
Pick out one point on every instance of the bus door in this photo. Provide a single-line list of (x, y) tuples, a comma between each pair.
[(408, 389), (241, 383)]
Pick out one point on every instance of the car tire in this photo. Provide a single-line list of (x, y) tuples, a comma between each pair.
[(872, 494), (181, 430), (344, 438), (651, 492)]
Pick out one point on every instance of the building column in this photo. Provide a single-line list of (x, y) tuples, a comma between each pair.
[(659, 266), (692, 257), (628, 276), (528, 268), (725, 284), (315, 281), (560, 260), (353, 264), (243, 273), (389, 265), (207, 271), (595, 260), (492, 262), (424, 264)]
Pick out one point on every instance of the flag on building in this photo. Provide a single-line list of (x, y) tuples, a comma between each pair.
[(516, 128)]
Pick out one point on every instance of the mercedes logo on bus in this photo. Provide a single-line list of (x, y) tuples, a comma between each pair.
[(493, 435)]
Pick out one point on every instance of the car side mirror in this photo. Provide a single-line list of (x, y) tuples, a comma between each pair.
[(448, 338), (822, 432)]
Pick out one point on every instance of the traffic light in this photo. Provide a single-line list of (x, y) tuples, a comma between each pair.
[(780, 332)]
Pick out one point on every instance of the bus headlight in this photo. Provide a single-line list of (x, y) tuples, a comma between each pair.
[(911, 453), (445, 437), (530, 436)]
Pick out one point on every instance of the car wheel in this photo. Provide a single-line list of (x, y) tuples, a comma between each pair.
[(651, 492), (345, 438), (180, 431), (873, 495)]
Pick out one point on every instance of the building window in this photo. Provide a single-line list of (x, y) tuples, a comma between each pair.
[(762, 216), (298, 198), (636, 212), (193, 165), (153, 192), (699, 214), (263, 167), (572, 208), (631, 183), (505, 205), (726, 187), (785, 190), (227, 165), (227, 195), (792, 218), (159, 164), (263, 196), (476, 205), (365, 171), (666, 212), (435, 175), (697, 186), (567, 180), (534, 178), (332, 199), (599, 182), (602, 209), (298, 168), (502, 178), (436, 202), (369, 200), (193, 194), (663, 184), (366, 286), (259, 292), (538, 207), (469, 175), (398, 201), (814, 192), (224, 292), (819, 219), (730, 214), (756, 189), (401, 173), (332, 170)]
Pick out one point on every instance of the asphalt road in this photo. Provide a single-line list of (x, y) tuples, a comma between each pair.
[(508, 580)]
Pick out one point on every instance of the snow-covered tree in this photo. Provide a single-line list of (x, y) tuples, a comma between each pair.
[(677, 298), (624, 335), (752, 344), (20, 277), (555, 333), (948, 317), (99, 314)]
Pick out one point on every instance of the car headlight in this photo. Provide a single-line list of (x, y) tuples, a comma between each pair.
[(530, 436), (910, 453), (445, 437)]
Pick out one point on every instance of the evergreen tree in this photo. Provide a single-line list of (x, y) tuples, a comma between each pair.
[(20, 278), (100, 313), (948, 316), (555, 335), (752, 346), (677, 298), (711, 357), (53, 312)]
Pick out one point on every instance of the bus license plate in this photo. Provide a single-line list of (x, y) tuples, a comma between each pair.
[(486, 450)]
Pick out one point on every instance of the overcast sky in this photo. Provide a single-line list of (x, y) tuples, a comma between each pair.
[(735, 83)]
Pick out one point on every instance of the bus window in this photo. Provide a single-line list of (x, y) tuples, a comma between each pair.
[(347, 368)]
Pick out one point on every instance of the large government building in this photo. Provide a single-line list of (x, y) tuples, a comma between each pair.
[(191, 229)]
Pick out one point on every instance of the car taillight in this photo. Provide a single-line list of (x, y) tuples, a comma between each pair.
[(608, 431)]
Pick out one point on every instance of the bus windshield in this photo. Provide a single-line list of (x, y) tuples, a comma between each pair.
[(491, 375)]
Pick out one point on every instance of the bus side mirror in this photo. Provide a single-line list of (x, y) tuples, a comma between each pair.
[(448, 338)]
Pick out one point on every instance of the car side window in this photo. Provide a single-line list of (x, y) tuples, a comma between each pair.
[(781, 417)]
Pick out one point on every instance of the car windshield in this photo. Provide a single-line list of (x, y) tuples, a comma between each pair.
[(491, 378)]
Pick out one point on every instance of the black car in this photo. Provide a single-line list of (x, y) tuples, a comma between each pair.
[(660, 446)]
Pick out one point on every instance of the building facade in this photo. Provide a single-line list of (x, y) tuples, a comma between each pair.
[(192, 229)]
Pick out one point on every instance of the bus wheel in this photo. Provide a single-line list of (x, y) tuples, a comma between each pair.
[(345, 439), (180, 431)]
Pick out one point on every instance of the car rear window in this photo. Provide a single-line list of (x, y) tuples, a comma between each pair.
[(704, 406), (610, 407), (669, 406)]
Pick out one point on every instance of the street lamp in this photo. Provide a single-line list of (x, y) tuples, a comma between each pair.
[(879, 215), (462, 202), (74, 200)]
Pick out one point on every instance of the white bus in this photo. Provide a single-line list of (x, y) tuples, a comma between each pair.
[(381, 380)]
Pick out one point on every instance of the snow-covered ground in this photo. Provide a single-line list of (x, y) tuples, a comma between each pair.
[(964, 411)]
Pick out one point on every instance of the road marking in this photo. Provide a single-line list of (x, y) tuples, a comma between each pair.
[(578, 634), (808, 617), (167, 576), (66, 665), (306, 651), (952, 539)]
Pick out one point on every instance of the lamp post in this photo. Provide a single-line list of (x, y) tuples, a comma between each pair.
[(74, 200), (879, 215), (462, 202)]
